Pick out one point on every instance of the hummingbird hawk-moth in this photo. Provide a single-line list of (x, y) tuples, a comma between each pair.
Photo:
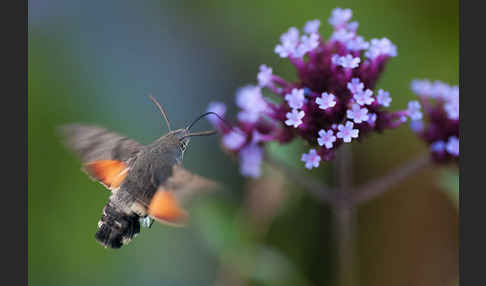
[(146, 181)]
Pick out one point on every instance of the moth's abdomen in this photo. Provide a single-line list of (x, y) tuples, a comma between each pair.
[(116, 228)]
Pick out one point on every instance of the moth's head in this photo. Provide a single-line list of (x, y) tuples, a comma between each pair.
[(179, 138)]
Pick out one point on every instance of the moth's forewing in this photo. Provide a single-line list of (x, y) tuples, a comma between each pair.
[(94, 143), (106, 155)]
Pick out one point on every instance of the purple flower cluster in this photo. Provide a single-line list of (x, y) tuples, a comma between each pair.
[(440, 103), (333, 101)]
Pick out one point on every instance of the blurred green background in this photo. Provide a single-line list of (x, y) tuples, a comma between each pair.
[(95, 61)]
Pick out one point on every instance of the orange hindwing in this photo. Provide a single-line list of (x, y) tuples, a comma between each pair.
[(166, 209)]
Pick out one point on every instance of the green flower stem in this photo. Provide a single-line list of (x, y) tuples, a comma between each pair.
[(344, 215)]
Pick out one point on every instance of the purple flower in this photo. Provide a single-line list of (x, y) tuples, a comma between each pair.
[(347, 61), (340, 17), (346, 132), (364, 97), (452, 108), (414, 110), (357, 44), (218, 108), (453, 93), (307, 44), (294, 118), (327, 100), (248, 116), (288, 43), (312, 26), (357, 114), (438, 146), (355, 86), (264, 76), (234, 139), (352, 26), (326, 138), (452, 146), (381, 47), (383, 98), (296, 98), (250, 161), (249, 98), (421, 87), (311, 159), (417, 125), (343, 36), (441, 109), (334, 75), (372, 118)]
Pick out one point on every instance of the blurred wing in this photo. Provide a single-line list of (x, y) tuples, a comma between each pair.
[(105, 155), (178, 190), (93, 143)]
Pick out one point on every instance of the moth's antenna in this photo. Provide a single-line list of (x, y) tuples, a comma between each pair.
[(202, 133), (206, 114), (161, 109)]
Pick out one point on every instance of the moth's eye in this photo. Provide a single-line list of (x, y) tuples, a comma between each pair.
[(183, 146)]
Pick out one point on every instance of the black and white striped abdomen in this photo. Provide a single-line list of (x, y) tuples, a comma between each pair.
[(116, 228)]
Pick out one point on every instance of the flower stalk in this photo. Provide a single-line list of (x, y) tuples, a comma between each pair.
[(344, 219)]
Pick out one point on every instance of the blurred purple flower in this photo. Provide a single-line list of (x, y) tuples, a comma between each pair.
[(381, 47), (250, 100), (438, 126), (311, 159), (347, 62), (307, 44), (218, 108), (417, 125), (264, 77), (438, 146), (343, 36), (234, 139), (414, 110), (452, 146), (312, 26), (250, 161), (357, 44), (340, 17), (383, 98), (288, 43)]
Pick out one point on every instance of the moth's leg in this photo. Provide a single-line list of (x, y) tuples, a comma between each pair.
[(146, 221)]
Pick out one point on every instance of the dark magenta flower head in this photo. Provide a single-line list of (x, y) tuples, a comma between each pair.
[(439, 126), (333, 101)]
